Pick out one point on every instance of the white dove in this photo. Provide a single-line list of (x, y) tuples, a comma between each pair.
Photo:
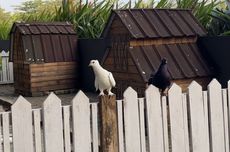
[(103, 79)]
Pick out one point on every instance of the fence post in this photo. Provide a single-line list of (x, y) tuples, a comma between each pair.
[(4, 55), (109, 131)]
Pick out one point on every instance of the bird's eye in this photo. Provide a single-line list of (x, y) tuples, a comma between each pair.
[(93, 62)]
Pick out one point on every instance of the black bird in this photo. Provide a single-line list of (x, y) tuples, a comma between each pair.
[(161, 78)]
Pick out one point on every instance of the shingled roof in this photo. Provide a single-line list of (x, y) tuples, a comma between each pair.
[(47, 42), (184, 60), (156, 23), (44, 28)]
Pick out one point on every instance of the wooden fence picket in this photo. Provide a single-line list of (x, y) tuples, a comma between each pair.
[(165, 123), (206, 119), (4, 65), (6, 72), (194, 121), (197, 118), (142, 124), (66, 121), (94, 107), (120, 126), (154, 120), (226, 123), (177, 119), (81, 123), (185, 118), (131, 121), (37, 130), (22, 126), (216, 116), (53, 126), (6, 131)]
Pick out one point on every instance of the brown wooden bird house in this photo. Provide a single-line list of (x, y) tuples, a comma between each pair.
[(140, 38), (44, 56)]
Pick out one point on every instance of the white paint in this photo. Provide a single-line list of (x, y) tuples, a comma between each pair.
[(95, 137), (131, 121), (165, 123), (6, 134), (37, 130), (81, 123), (22, 126), (53, 126), (6, 73), (176, 119), (142, 124), (154, 119), (216, 116), (66, 121), (120, 126), (197, 118), (226, 123)]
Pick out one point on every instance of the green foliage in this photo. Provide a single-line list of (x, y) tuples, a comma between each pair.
[(220, 24), (200, 8), (5, 27), (89, 18)]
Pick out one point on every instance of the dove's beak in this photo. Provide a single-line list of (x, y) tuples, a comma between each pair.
[(90, 65)]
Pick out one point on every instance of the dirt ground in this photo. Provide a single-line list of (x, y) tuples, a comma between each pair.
[(8, 97)]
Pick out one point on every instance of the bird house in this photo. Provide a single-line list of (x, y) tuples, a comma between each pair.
[(44, 57), (140, 38)]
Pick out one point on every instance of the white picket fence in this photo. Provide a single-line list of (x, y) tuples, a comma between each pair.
[(197, 121), (6, 73)]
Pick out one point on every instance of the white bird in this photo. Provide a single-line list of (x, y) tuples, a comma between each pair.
[(103, 79)]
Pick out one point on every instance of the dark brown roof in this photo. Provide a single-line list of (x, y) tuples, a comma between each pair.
[(44, 28), (157, 23), (47, 42), (184, 60)]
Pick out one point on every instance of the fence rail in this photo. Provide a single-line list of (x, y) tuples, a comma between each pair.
[(196, 121), (6, 71)]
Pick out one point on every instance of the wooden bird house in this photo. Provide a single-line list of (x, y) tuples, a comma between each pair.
[(44, 56), (140, 38)]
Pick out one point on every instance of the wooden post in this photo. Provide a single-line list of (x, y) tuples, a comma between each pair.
[(108, 124)]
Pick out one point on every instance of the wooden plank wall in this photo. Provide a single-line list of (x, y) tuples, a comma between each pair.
[(41, 78)]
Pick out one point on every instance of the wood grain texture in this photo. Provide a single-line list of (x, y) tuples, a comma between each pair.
[(131, 121), (226, 122), (53, 126), (22, 126), (176, 119), (216, 116), (37, 130), (154, 119), (95, 136), (66, 121), (6, 132), (142, 124), (197, 118), (81, 123), (165, 123), (109, 130), (120, 125)]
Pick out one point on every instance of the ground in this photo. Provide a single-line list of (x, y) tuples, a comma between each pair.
[(7, 96)]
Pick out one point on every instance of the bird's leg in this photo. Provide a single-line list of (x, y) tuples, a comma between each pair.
[(109, 92), (101, 93)]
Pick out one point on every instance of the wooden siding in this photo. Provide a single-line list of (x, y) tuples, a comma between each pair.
[(117, 28), (43, 78), (161, 41)]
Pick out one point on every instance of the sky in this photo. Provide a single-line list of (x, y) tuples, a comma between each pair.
[(8, 4)]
